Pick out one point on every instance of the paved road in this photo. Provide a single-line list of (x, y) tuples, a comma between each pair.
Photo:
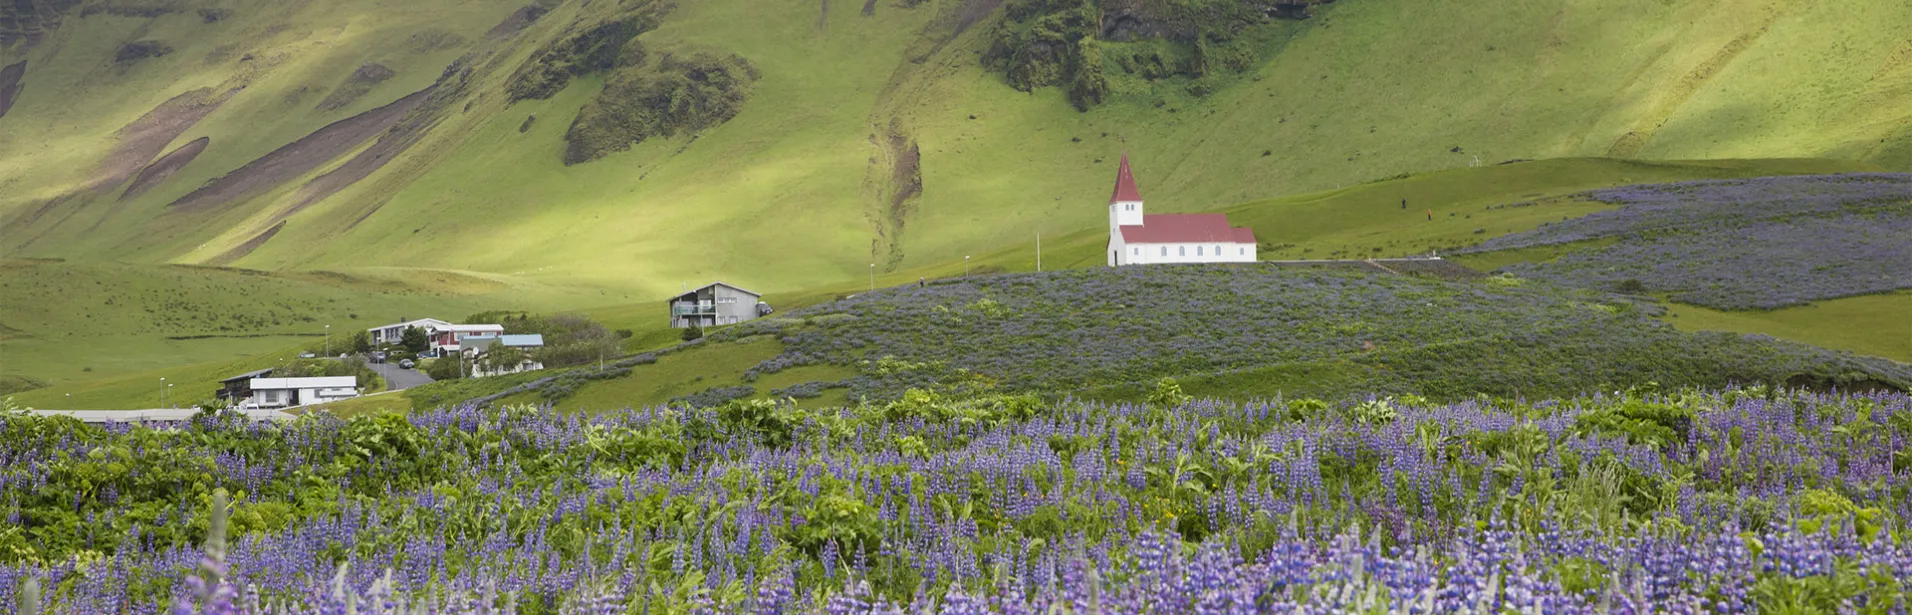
[(398, 378), (156, 414)]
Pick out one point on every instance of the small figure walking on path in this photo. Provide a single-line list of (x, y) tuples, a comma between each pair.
[(1430, 215), (919, 282), (1403, 203)]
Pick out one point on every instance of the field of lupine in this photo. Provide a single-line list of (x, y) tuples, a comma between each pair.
[(1738, 244), (1677, 502), (1087, 332)]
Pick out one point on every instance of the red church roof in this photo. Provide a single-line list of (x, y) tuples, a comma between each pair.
[(1186, 228), (1125, 184)]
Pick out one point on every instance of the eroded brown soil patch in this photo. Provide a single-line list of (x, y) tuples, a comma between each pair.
[(10, 85), (160, 169), (298, 157), (240, 251)]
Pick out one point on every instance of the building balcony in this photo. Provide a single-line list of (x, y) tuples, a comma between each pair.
[(700, 309)]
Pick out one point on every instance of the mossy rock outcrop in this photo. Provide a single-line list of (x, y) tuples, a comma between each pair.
[(677, 93), (1074, 43), (598, 48)]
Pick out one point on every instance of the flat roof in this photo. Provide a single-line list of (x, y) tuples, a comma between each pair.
[(325, 382)]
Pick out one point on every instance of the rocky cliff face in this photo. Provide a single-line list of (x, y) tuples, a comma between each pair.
[(23, 22)]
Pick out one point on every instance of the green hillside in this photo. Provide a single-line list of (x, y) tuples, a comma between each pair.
[(784, 195), (788, 145)]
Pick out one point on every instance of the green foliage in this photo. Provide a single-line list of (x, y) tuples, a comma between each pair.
[(448, 367), (414, 340), (692, 333), (1820, 510), (362, 342), (1168, 394), (1659, 425)]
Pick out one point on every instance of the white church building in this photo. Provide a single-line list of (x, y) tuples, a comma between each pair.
[(1136, 238)]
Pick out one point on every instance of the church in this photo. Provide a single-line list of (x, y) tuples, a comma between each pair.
[(1136, 238)]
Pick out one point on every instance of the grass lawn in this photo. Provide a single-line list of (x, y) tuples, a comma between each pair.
[(676, 374), (1876, 325)]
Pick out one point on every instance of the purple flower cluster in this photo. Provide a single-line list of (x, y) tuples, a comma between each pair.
[(1738, 244), (1764, 500)]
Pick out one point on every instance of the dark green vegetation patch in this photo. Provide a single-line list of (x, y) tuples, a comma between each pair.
[(1078, 44), (677, 93)]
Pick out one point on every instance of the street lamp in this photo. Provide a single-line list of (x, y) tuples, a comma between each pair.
[(169, 389), (872, 277), (162, 391), (328, 340), (965, 265)]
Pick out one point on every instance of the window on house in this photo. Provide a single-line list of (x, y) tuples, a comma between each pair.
[(1136, 252), (1244, 252), (1181, 250), (1198, 250)]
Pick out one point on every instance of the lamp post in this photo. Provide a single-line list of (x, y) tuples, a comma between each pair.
[(872, 277), (328, 340), (162, 391), (169, 393), (965, 265)]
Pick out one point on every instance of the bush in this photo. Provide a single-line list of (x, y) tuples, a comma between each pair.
[(692, 332)]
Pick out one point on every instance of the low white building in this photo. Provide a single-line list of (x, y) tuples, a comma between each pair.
[(1136, 238), (477, 350), (288, 392), (391, 334)]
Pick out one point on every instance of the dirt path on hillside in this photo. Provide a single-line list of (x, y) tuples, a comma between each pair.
[(298, 157), (893, 182), (10, 85), (160, 169)]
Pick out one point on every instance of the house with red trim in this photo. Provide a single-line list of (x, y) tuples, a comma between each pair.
[(1136, 238)]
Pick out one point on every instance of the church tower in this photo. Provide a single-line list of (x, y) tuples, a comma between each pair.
[(1125, 205)]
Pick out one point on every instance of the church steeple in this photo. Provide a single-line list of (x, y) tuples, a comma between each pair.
[(1125, 203), (1125, 184)]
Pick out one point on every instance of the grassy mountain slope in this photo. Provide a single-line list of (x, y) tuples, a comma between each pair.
[(879, 138), (781, 197)]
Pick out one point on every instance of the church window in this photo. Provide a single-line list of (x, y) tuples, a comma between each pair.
[(1164, 250), (1198, 250), (1181, 250)]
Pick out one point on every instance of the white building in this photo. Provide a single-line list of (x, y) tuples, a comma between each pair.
[(391, 334), (1136, 238), (477, 349), (287, 392)]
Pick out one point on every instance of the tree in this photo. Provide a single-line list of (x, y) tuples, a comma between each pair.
[(361, 342), (414, 340), (447, 367), (499, 356), (693, 332)]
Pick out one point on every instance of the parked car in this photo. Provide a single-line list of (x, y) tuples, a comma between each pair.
[(306, 355), (377, 356), (406, 364)]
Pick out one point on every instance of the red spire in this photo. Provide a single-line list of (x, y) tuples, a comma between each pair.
[(1125, 184)]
